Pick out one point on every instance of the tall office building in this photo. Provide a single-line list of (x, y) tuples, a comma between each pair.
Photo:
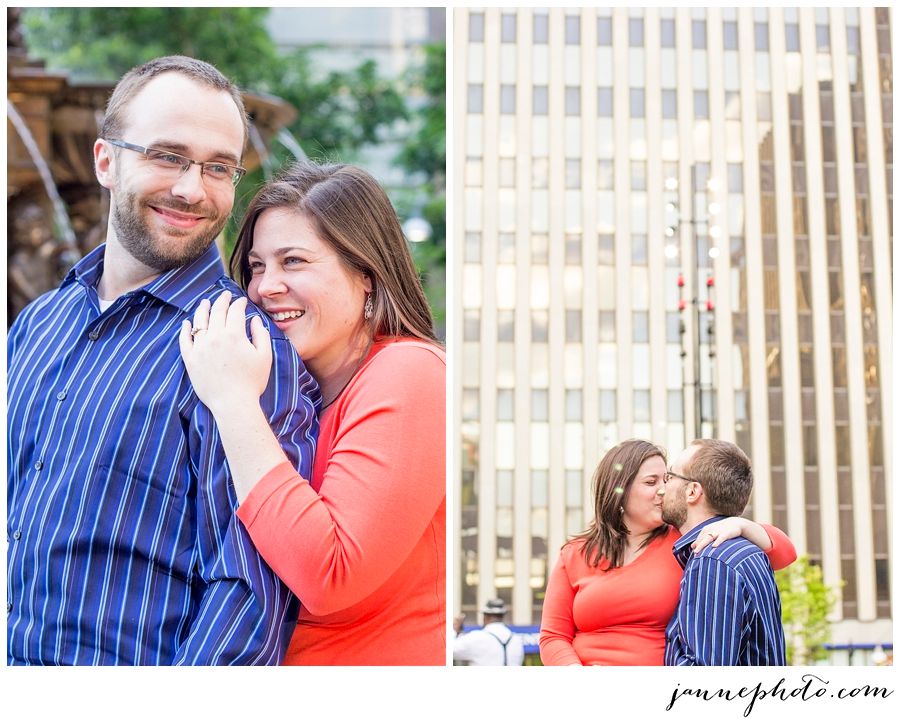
[(673, 223)]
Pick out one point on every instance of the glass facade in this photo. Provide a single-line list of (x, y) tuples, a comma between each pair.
[(664, 212)]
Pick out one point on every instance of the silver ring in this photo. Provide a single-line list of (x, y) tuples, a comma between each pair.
[(196, 330)]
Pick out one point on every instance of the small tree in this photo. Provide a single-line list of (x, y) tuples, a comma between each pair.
[(805, 603)]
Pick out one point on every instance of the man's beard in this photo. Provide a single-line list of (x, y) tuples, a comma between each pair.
[(139, 238), (675, 513)]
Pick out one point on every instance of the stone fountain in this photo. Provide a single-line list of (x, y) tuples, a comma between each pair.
[(56, 210)]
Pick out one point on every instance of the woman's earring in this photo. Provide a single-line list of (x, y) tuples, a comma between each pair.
[(369, 308)]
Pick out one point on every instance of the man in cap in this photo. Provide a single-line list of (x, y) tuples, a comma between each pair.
[(494, 644)]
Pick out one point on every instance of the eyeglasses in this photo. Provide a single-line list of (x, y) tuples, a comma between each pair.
[(670, 474), (176, 164)]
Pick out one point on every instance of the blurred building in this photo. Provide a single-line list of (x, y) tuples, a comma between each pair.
[(342, 38), (673, 223)]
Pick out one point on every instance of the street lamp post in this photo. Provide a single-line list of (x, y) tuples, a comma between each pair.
[(703, 310)]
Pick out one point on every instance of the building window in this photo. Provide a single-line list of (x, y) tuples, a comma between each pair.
[(761, 36), (604, 102), (507, 99), (573, 249), (573, 405), (641, 401), (506, 325), (636, 32), (604, 31), (476, 99), (471, 325), (606, 326), (669, 103), (539, 100), (476, 27), (667, 32), (540, 405), (701, 104), (698, 34), (573, 29), (470, 405), (605, 175), (507, 28), (573, 100), (540, 29), (505, 405), (636, 102), (823, 39), (539, 327), (573, 173), (640, 327), (606, 406), (573, 326), (638, 175), (472, 254), (730, 35), (639, 249), (792, 37)]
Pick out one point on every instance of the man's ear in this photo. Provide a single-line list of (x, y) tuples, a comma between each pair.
[(104, 163), (694, 493)]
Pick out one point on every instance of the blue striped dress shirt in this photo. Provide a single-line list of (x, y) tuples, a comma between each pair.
[(729, 610), (123, 543)]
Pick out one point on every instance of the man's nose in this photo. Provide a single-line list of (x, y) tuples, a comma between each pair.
[(190, 185)]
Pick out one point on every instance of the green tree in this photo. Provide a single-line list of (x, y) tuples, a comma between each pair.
[(425, 152), (805, 603), (339, 111)]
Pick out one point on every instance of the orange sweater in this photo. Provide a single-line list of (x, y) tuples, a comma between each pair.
[(619, 617), (363, 543)]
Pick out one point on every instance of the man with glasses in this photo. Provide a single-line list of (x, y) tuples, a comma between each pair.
[(123, 543), (729, 610)]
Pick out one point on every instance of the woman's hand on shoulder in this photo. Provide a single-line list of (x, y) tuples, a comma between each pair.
[(229, 371), (717, 532)]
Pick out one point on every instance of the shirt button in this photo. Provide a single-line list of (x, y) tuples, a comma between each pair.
[(94, 334), (39, 465), (17, 534), (61, 395)]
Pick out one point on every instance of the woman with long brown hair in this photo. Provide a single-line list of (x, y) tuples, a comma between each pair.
[(362, 543), (615, 586)]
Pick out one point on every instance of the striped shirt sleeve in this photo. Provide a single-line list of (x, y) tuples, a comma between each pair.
[(246, 614)]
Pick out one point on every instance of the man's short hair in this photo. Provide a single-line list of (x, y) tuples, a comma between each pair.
[(135, 79), (724, 471)]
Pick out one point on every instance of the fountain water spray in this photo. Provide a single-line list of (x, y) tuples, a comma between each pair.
[(70, 254)]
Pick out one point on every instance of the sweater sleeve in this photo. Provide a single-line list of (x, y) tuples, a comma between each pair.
[(782, 553), (382, 485), (557, 618)]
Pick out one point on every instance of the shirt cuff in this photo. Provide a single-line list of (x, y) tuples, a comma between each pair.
[(269, 484)]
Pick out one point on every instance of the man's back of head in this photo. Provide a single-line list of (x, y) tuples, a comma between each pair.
[(725, 473)]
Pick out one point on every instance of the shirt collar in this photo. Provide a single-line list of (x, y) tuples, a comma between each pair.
[(182, 287), (682, 548)]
